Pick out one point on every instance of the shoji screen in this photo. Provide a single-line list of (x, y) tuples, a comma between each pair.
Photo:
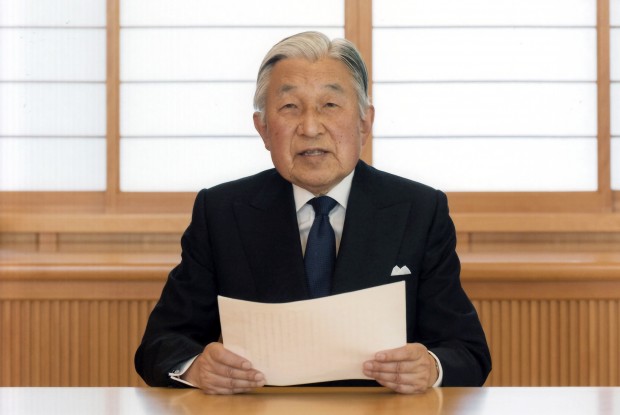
[(487, 95), (615, 93), (52, 95), (188, 71)]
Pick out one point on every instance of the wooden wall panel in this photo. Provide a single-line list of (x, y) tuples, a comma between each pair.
[(91, 343), (552, 342), (70, 343), (76, 319)]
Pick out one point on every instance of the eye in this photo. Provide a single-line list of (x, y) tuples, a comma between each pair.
[(288, 106), (331, 105)]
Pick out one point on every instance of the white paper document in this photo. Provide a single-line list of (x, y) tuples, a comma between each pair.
[(317, 340)]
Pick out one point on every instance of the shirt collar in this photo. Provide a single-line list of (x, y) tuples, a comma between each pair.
[(340, 193)]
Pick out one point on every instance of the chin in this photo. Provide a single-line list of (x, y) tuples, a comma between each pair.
[(318, 188), (316, 180)]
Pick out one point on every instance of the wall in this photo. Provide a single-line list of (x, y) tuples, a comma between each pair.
[(73, 316)]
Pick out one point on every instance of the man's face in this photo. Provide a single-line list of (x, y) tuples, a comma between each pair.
[(312, 125)]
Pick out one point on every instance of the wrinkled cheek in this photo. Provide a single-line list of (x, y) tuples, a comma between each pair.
[(283, 157)]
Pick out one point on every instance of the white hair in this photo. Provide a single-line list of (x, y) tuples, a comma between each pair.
[(313, 46)]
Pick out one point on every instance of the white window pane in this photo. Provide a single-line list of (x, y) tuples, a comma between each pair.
[(484, 12), (475, 109), (62, 13), (615, 109), (58, 164), (188, 164), (615, 53), (614, 12), (52, 109), (492, 164), (484, 54), (232, 12), (198, 53), (615, 163), (52, 54), (187, 109)]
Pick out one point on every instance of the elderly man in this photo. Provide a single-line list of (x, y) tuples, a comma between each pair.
[(256, 238)]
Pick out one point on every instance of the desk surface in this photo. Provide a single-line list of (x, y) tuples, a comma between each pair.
[(301, 401)]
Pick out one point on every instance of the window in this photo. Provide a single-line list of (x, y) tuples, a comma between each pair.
[(188, 71), (615, 93), (134, 105), (487, 95), (52, 96)]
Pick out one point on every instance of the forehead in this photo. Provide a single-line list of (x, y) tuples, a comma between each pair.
[(289, 74)]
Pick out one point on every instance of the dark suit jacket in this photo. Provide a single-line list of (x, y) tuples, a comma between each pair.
[(243, 242)]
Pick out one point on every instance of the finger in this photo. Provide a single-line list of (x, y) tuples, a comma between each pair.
[(224, 372), (216, 352), (417, 387), (403, 378), (230, 365), (394, 367), (406, 366), (412, 351), (230, 385), (415, 381), (229, 372), (412, 373)]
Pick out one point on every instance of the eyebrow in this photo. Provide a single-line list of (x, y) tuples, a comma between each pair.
[(286, 88), (333, 87)]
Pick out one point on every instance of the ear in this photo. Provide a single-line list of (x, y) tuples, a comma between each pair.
[(261, 127), (366, 123)]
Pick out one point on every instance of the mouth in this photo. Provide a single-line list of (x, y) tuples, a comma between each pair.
[(313, 152)]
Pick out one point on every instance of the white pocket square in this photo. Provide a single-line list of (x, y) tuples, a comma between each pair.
[(400, 271)]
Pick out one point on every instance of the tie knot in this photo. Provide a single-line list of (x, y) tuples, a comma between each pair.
[(322, 205)]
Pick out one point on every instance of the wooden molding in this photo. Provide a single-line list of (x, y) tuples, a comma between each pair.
[(603, 88), (177, 222), (358, 29), (94, 222), (537, 222), (113, 30)]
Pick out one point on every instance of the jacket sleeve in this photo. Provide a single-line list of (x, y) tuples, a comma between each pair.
[(185, 319), (447, 321)]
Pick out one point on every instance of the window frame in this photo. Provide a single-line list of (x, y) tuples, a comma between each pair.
[(358, 28)]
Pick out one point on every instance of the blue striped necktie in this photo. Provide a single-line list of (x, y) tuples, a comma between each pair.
[(320, 257)]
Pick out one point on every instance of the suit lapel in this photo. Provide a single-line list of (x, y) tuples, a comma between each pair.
[(372, 236), (373, 230), (270, 236)]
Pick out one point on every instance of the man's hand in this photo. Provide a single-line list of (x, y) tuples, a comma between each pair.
[(408, 369), (218, 371)]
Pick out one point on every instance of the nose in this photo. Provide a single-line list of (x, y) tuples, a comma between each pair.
[(310, 124)]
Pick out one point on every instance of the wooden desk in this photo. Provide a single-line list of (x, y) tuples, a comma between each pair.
[(301, 401)]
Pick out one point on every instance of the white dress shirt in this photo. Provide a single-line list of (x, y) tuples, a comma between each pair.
[(305, 212)]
